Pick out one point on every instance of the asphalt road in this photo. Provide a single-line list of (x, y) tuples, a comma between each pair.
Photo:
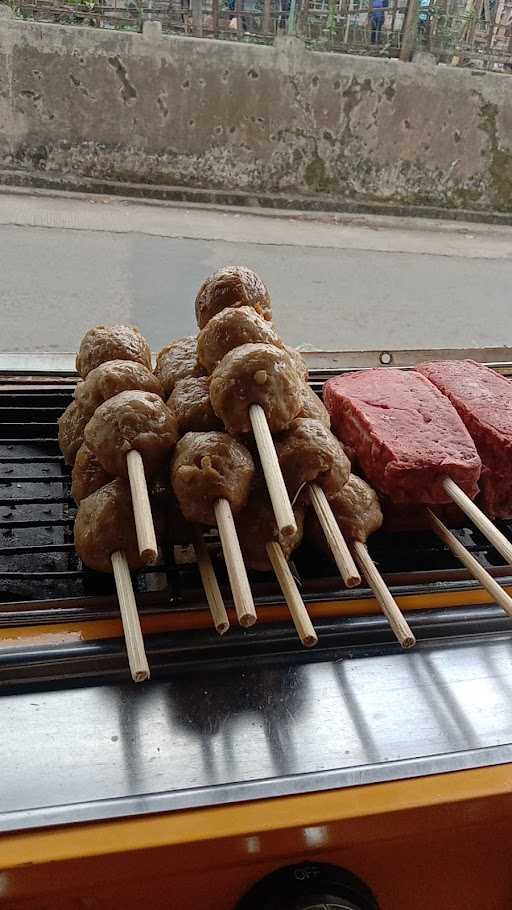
[(350, 283)]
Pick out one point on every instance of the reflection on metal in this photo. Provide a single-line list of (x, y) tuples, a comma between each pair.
[(213, 736)]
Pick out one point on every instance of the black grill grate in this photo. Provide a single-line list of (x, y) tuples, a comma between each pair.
[(39, 567)]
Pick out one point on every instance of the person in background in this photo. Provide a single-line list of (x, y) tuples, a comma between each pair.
[(377, 15)]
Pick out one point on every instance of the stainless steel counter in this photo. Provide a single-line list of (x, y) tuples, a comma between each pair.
[(227, 735)]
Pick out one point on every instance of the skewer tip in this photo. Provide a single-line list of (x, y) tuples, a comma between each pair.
[(408, 641), (309, 641), (140, 675), (288, 530), (222, 627), (149, 555), (247, 619)]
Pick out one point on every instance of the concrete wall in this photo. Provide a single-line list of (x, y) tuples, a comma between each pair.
[(219, 115)]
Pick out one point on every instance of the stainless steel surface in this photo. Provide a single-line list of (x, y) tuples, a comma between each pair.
[(205, 738), (500, 358)]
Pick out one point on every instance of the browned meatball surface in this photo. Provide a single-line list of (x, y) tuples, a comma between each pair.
[(113, 377), (229, 329), (313, 406), (104, 523), (357, 510), (72, 425), (256, 526), (232, 286), (298, 362), (191, 406), (255, 374), (87, 475), (132, 420), (308, 452), (111, 342), (207, 467), (178, 360)]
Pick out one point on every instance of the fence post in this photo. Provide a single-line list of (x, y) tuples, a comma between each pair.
[(197, 18), (267, 17), (410, 30)]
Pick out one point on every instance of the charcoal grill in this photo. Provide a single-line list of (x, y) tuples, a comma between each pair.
[(249, 717)]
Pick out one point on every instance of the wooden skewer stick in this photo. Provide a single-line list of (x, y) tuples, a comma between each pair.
[(484, 524), (210, 583), (472, 565), (146, 537), (130, 618), (242, 595), (285, 519), (382, 593), (299, 614), (335, 539)]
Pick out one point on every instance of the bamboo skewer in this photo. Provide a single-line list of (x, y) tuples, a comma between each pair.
[(472, 565), (146, 537), (484, 524), (279, 498), (130, 618), (335, 539), (210, 583), (298, 612), (383, 595), (242, 595)]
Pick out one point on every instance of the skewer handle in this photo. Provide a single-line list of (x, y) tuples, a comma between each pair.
[(484, 524), (382, 593), (279, 498), (146, 537), (130, 618), (242, 595), (335, 539), (298, 612), (472, 565), (210, 583)]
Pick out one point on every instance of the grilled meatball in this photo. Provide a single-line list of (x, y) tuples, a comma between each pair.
[(357, 510), (112, 377), (112, 342), (256, 526), (232, 286), (190, 404), (104, 523), (298, 361), (72, 425), (308, 452), (229, 329), (255, 374), (178, 360), (312, 406), (207, 467), (131, 420), (87, 475)]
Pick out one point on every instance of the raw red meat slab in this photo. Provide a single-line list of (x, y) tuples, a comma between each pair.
[(483, 399), (406, 434)]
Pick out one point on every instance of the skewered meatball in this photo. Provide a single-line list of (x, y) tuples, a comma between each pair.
[(112, 342), (313, 407), (104, 523), (87, 475), (229, 329), (190, 404), (356, 509), (256, 526), (232, 286), (207, 467), (255, 374), (131, 420), (72, 425), (309, 453), (113, 377), (299, 363), (178, 360)]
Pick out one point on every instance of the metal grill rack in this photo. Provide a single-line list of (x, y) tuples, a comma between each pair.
[(42, 579)]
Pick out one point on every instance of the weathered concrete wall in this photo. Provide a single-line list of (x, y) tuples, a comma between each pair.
[(191, 112)]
